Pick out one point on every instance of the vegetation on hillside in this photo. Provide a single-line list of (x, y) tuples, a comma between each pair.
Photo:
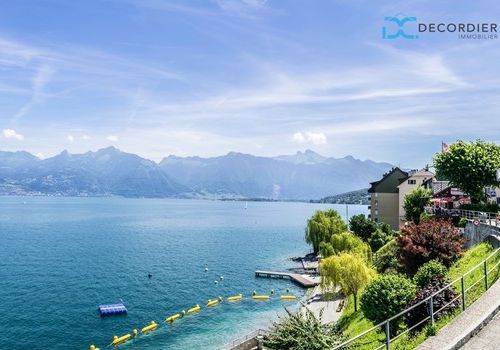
[(352, 197)]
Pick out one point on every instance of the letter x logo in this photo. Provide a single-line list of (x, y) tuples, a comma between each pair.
[(400, 22)]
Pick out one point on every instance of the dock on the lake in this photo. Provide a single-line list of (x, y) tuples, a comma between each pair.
[(303, 280)]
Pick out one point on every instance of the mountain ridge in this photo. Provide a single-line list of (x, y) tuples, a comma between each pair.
[(109, 171)]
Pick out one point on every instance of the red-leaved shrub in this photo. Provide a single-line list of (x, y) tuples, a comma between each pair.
[(429, 240)]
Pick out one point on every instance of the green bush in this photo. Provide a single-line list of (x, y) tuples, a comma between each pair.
[(386, 296), (302, 330), (379, 238), (361, 226), (462, 222), (386, 259), (428, 271)]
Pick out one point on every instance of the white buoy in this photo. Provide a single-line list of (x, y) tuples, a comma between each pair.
[(206, 269), (221, 277), (216, 282)]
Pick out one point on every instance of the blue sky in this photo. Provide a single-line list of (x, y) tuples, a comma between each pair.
[(271, 77)]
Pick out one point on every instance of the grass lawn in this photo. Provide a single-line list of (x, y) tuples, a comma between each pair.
[(354, 323)]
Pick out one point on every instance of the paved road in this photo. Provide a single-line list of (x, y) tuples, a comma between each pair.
[(487, 338)]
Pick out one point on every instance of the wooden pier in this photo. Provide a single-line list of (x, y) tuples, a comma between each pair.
[(303, 280)]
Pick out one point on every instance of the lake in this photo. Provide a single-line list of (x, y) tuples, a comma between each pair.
[(62, 257)]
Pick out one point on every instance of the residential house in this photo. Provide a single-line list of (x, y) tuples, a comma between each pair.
[(384, 198), (387, 194)]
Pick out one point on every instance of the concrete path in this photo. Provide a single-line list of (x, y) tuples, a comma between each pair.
[(316, 303), (487, 338), (466, 325)]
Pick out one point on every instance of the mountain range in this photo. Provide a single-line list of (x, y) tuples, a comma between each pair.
[(109, 171)]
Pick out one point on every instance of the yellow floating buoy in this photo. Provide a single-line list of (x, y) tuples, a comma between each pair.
[(194, 309), (92, 347), (173, 318), (135, 333), (212, 302), (151, 327), (288, 297), (260, 297), (118, 340), (235, 297)]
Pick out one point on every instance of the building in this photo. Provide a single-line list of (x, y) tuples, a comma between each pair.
[(387, 194), (384, 198), (415, 178)]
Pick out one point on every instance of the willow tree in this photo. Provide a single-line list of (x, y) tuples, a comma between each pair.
[(322, 226), (471, 166), (347, 271), (345, 242)]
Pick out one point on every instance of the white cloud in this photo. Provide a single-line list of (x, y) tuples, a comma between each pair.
[(112, 138), (71, 138), (40, 155), (85, 137), (12, 134), (315, 138)]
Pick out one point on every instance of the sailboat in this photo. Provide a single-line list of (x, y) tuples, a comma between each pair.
[(246, 205)]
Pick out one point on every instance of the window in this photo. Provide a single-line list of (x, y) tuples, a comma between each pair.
[(376, 194), (376, 211), (412, 182), (376, 202)]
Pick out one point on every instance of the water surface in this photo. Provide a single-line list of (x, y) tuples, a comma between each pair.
[(62, 257)]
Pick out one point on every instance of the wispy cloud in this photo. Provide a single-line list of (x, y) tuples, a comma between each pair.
[(315, 138)]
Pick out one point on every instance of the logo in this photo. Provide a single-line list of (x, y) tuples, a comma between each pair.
[(406, 27), (398, 25)]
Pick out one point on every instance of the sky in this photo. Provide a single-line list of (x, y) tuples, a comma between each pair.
[(157, 77)]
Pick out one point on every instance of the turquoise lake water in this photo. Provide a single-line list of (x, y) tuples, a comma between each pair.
[(62, 257)]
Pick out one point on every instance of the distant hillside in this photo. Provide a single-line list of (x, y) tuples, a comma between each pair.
[(106, 172), (352, 197), (305, 175), (109, 171)]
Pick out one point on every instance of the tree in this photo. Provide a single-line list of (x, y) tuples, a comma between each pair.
[(346, 242), (470, 166), (362, 226), (302, 330), (414, 203), (380, 237), (386, 296), (347, 271), (429, 240), (322, 226), (386, 259)]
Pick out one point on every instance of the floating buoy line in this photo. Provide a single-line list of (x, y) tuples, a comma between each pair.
[(153, 326)]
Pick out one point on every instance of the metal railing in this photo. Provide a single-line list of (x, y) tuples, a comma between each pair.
[(464, 284), (489, 218), (243, 339)]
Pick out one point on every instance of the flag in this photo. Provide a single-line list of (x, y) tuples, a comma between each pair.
[(444, 147)]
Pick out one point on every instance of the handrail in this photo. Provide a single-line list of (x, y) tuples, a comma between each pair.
[(428, 300), (243, 339)]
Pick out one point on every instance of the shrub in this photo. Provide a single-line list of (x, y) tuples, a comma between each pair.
[(462, 222), (419, 313), (386, 296), (362, 226), (428, 271), (429, 240), (302, 330), (386, 259), (379, 238)]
